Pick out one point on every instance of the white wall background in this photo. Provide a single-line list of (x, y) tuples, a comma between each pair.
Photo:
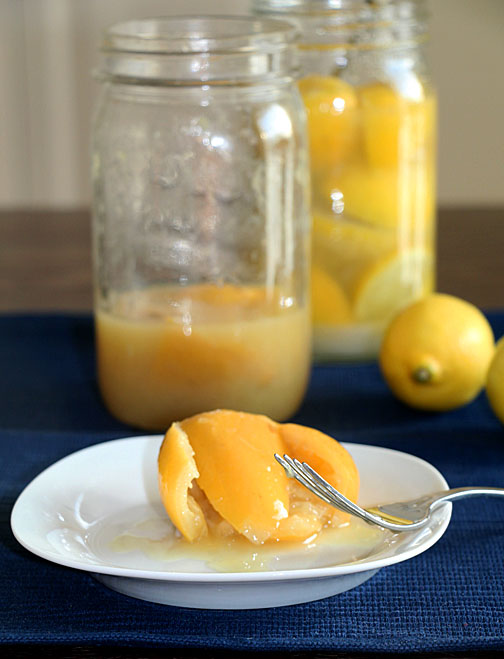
[(49, 47)]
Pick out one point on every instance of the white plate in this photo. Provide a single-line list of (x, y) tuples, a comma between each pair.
[(72, 512)]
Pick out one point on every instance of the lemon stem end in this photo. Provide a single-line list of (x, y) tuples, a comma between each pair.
[(423, 375)]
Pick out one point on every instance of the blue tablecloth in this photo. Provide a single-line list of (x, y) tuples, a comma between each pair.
[(451, 598)]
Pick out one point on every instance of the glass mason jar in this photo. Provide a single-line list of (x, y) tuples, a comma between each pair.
[(201, 220), (372, 128)]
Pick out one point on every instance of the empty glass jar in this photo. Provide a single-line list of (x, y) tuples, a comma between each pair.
[(201, 220), (372, 128)]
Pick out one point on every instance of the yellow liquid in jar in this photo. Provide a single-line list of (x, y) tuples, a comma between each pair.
[(165, 353), (373, 200)]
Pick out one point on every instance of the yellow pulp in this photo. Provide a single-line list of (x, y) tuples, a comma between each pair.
[(372, 158), (165, 353)]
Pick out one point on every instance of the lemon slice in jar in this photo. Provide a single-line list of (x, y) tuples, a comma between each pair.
[(347, 249), (396, 129), (393, 283), (382, 198), (332, 110), (330, 305)]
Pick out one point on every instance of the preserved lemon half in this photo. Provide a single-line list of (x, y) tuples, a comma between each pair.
[(218, 475), (332, 123), (393, 284), (329, 303)]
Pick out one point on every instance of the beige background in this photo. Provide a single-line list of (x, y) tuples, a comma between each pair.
[(48, 47)]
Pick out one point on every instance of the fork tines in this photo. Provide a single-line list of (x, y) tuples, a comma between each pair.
[(308, 477)]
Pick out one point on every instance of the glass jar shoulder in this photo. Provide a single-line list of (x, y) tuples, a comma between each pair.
[(249, 114)]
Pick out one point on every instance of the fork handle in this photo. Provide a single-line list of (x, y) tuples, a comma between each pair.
[(465, 492)]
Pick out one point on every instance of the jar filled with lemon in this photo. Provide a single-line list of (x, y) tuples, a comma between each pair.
[(372, 128)]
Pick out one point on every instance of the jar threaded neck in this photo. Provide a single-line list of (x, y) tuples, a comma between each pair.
[(200, 49), (352, 23)]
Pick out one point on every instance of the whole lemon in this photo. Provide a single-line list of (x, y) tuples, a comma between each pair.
[(495, 381), (436, 353)]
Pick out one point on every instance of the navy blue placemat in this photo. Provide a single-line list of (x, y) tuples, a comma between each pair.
[(451, 598)]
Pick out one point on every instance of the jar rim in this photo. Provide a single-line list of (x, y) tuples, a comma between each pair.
[(198, 34), (352, 23), (322, 6), (196, 50)]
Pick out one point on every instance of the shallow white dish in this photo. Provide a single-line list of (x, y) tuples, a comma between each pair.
[(73, 510)]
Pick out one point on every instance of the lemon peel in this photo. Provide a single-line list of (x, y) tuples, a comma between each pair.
[(436, 353), (218, 468), (495, 381)]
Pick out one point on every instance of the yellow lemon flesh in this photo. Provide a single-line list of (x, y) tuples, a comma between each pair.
[(346, 249), (218, 475), (436, 353), (495, 381), (358, 274), (332, 123), (330, 305), (395, 128), (383, 198), (392, 284)]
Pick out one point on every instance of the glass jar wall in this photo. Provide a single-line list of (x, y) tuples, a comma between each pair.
[(372, 128), (201, 220)]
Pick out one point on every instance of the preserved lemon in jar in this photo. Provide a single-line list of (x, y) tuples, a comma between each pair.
[(371, 112)]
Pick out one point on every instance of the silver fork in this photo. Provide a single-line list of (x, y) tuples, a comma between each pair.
[(399, 516)]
